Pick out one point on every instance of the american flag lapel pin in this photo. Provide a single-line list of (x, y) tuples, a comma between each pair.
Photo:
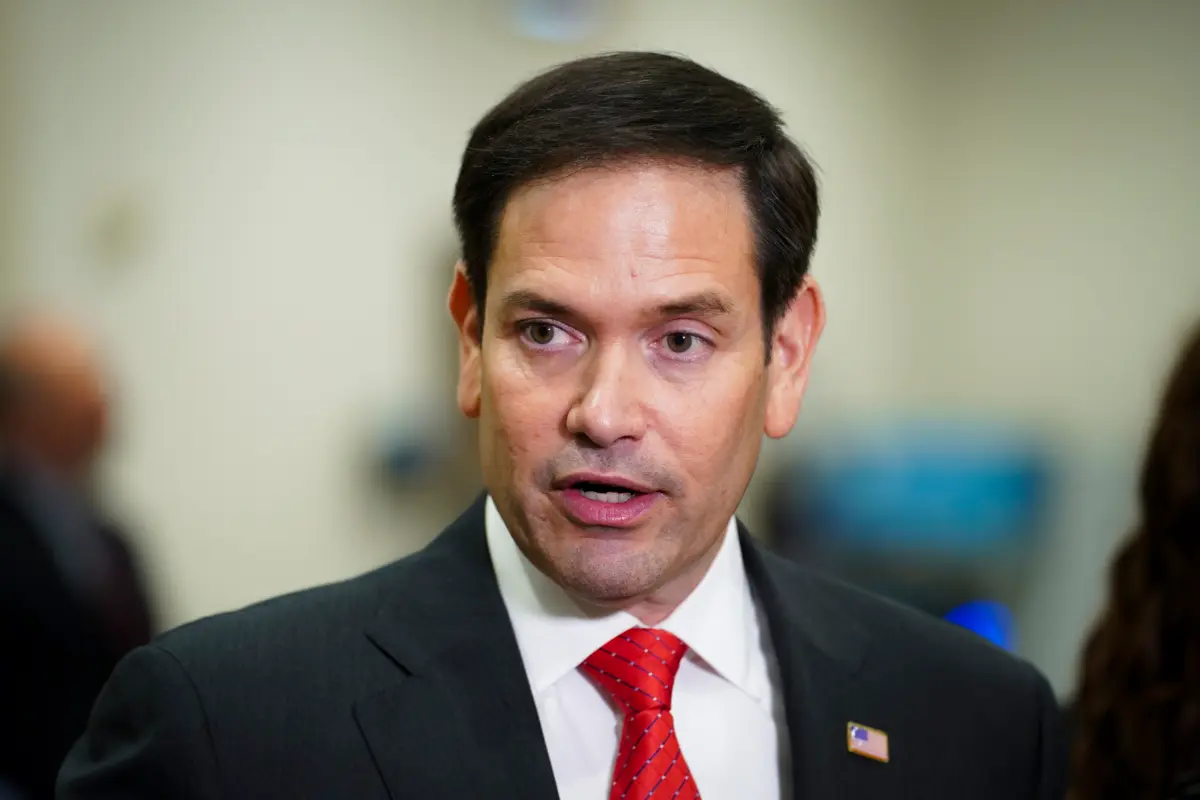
[(866, 742)]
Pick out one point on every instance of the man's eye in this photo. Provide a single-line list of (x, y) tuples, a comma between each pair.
[(680, 342), (540, 333)]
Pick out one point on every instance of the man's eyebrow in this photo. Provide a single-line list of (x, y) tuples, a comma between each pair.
[(529, 300), (703, 304)]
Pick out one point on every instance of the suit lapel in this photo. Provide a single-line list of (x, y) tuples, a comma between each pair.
[(821, 650), (460, 721)]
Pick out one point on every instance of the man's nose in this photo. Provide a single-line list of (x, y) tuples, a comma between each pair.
[(610, 405)]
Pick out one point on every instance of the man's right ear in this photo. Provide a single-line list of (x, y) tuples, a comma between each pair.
[(465, 314)]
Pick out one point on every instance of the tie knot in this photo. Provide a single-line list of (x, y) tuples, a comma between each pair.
[(638, 668)]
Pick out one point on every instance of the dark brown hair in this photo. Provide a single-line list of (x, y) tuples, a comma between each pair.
[(1138, 710), (618, 107)]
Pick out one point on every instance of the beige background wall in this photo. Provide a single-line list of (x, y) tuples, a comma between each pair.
[(250, 200)]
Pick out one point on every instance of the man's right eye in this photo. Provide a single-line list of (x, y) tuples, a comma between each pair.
[(539, 333)]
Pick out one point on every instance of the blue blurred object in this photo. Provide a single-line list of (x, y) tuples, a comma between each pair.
[(406, 458), (991, 620), (965, 490), (559, 20)]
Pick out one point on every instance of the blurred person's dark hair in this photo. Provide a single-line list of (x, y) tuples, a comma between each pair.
[(620, 107), (1137, 715)]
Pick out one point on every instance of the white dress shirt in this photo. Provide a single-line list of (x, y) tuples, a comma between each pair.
[(728, 711)]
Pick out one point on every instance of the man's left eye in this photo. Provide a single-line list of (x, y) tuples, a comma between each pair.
[(680, 342)]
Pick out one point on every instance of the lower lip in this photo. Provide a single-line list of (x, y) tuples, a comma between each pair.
[(585, 511)]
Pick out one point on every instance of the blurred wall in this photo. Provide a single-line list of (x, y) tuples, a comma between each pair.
[(8, 107), (1064, 258), (253, 202)]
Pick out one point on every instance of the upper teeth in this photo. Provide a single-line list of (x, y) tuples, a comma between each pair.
[(608, 497)]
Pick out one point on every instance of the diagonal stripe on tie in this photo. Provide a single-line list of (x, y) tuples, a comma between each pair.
[(632, 663)]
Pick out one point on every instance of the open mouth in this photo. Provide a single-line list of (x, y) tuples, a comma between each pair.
[(605, 492), (606, 501)]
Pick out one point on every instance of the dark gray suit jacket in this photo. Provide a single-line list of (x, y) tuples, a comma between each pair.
[(407, 683)]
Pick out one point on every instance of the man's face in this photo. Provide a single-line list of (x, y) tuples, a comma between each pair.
[(621, 379)]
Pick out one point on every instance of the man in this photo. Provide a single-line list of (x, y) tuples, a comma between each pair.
[(71, 603), (633, 314)]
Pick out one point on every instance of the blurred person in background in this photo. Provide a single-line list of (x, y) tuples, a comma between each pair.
[(71, 601), (1137, 715), (634, 315)]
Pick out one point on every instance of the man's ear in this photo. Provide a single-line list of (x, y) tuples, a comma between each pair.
[(792, 342), (465, 314)]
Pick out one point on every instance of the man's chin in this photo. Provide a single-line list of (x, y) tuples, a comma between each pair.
[(606, 596), (610, 576)]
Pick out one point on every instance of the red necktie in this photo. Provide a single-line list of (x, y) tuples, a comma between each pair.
[(637, 669)]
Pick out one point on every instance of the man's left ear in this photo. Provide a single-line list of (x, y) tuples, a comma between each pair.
[(792, 343)]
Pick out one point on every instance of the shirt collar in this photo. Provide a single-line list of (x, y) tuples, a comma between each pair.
[(717, 620)]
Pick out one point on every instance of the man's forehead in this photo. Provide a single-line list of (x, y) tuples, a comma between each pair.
[(669, 230), (659, 209)]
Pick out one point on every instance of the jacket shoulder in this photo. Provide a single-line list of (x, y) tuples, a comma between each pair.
[(323, 629), (905, 638), (942, 689), (310, 624)]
